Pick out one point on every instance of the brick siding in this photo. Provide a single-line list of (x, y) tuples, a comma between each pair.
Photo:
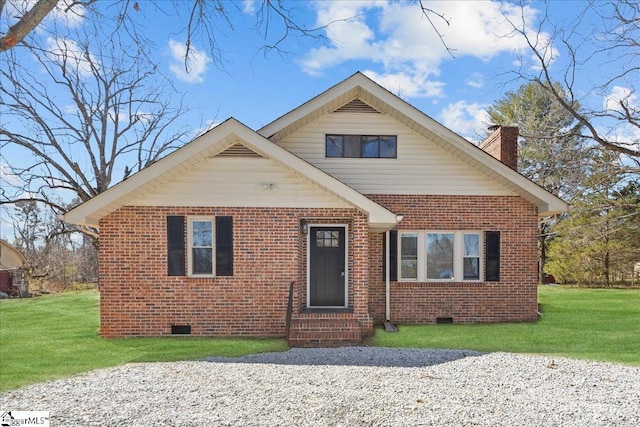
[(513, 298), (270, 250), (139, 298)]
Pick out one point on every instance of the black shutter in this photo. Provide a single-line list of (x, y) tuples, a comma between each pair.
[(224, 246), (393, 256), (492, 256), (175, 246)]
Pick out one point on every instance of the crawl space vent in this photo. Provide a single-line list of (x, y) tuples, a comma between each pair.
[(444, 320), (181, 329)]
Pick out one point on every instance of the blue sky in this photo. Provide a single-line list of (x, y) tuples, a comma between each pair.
[(389, 41)]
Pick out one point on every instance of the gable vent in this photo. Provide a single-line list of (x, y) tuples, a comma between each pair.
[(238, 150), (356, 106)]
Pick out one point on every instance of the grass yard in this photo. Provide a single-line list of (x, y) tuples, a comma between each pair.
[(594, 324), (56, 336)]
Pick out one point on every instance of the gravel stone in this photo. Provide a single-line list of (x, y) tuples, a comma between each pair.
[(347, 386)]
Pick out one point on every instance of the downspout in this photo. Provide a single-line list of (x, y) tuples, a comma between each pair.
[(387, 277), (388, 326)]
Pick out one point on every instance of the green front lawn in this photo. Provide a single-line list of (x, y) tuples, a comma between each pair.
[(57, 336), (595, 324)]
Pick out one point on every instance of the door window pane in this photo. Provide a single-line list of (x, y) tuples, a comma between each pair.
[(327, 239), (440, 256)]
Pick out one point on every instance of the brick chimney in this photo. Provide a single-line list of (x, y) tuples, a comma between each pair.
[(503, 145)]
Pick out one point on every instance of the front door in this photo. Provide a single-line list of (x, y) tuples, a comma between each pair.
[(327, 274)]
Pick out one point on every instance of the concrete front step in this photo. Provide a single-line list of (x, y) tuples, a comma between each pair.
[(324, 332)]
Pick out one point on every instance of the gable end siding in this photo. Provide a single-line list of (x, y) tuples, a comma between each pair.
[(421, 167)]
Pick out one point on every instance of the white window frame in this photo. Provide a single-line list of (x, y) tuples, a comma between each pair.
[(191, 220), (458, 255)]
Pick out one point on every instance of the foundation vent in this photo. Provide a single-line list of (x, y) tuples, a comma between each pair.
[(444, 320), (180, 329)]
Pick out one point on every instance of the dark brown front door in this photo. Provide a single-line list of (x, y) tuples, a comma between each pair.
[(327, 273)]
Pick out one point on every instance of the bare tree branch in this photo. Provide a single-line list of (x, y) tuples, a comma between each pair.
[(26, 23), (626, 20), (81, 112), (427, 12)]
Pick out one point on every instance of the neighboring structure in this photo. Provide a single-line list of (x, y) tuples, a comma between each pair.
[(13, 271), (208, 240)]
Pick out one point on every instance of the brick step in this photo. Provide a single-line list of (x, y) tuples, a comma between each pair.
[(324, 332)]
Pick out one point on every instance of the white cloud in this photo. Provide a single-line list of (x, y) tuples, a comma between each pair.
[(405, 85), (249, 7), (71, 17), (476, 80), (195, 67), (402, 39), (8, 177), (466, 119), (67, 51), (209, 124), (624, 95)]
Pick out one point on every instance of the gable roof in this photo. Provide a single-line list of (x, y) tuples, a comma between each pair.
[(227, 138), (366, 91)]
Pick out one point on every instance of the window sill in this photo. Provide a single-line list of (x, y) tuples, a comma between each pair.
[(440, 284), (309, 310)]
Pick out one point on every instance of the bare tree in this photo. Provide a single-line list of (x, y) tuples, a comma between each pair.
[(83, 115), (563, 49), (199, 21)]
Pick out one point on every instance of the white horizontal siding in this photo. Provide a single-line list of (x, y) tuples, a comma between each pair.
[(421, 166), (239, 182)]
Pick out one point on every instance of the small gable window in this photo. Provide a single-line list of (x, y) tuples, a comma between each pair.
[(362, 146)]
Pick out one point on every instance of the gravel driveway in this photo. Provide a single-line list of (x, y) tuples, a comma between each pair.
[(349, 386)]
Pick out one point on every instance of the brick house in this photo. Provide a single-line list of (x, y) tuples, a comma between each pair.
[(211, 239)]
